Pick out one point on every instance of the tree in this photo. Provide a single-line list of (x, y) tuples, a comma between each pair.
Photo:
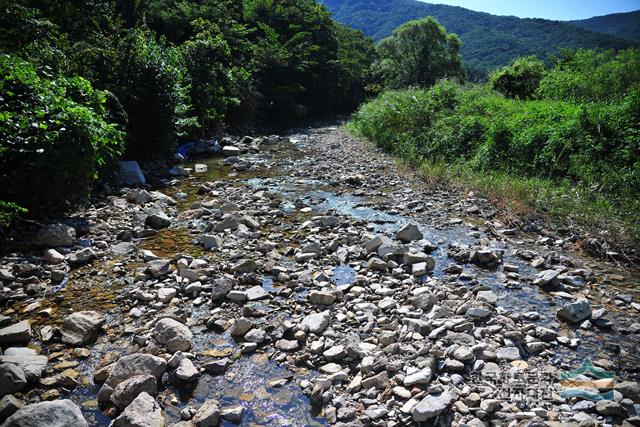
[(520, 79), (418, 53)]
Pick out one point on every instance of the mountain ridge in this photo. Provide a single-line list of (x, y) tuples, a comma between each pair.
[(488, 41)]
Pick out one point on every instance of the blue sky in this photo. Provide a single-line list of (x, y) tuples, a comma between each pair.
[(549, 9)]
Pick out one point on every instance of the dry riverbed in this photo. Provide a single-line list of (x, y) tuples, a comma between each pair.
[(306, 280)]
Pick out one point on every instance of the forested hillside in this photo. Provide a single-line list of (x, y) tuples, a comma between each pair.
[(87, 83), (626, 25), (488, 41)]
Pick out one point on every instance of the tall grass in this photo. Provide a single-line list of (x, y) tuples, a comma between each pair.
[(573, 161)]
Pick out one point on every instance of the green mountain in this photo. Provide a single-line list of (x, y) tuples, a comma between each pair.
[(626, 25), (488, 41)]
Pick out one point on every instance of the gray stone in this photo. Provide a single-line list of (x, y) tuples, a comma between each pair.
[(575, 312), (143, 411), (51, 256), (230, 151), (159, 267), (135, 364), (245, 266), (409, 233), (317, 322), (12, 379), (508, 353), (287, 345), (18, 333), (423, 376), (207, 415), (81, 257), (8, 406), (432, 406), (186, 370), (125, 392), (256, 293), (321, 297), (157, 220), (138, 196), (32, 365), (59, 413), (81, 328), (210, 241), (240, 327), (174, 335)]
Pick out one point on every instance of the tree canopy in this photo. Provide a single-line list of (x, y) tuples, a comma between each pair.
[(418, 53)]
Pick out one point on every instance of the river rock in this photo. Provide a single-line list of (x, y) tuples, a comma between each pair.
[(12, 379), (321, 297), (208, 414), (409, 233), (18, 333), (287, 345), (245, 266), (138, 196), (31, 364), (230, 151), (8, 406), (186, 370), (81, 257), (317, 322), (174, 335), (575, 312), (59, 413), (51, 256), (53, 235), (240, 327), (157, 220), (159, 267), (81, 328), (130, 173), (143, 411), (125, 392), (135, 364), (508, 353), (432, 406)]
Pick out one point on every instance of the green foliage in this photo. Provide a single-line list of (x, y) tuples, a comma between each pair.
[(9, 212), (592, 146), (520, 79), (488, 41), (54, 137), (590, 76), (418, 53), (625, 25)]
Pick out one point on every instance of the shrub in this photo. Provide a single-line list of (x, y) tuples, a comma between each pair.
[(53, 137), (520, 79), (591, 76)]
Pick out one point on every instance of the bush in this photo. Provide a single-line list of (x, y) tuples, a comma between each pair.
[(149, 82), (520, 79), (54, 137), (591, 76), (591, 145)]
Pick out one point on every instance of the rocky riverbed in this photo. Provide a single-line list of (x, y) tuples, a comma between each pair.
[(308, 280)]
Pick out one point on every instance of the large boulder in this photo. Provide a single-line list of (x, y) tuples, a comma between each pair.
[(409, 233), (157, 220), (32, 365), (53, 235), (129, 389), (12, 379), (208, 415), (144, 411), (81, 328), (174, 335), (432, 406), (136, 364), (59, 413), (317, 322), (18, 333), (575, 311)]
